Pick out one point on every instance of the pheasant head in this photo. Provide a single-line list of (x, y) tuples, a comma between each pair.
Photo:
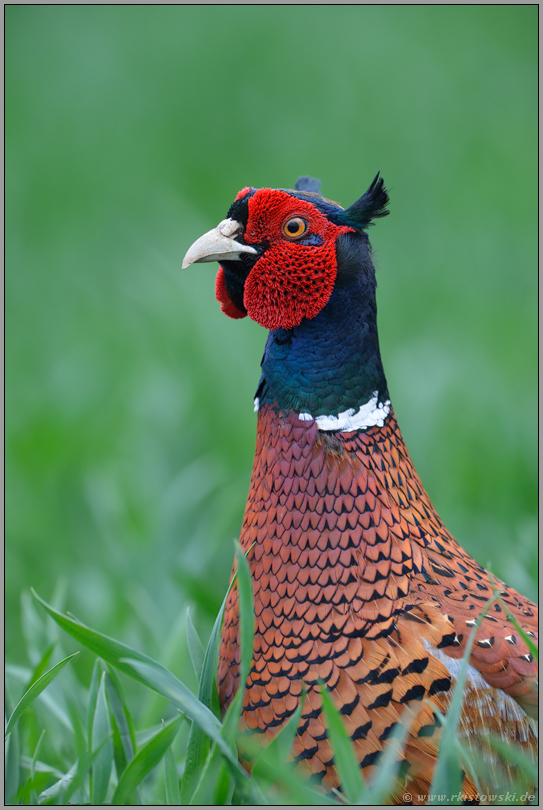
[(300, 265)]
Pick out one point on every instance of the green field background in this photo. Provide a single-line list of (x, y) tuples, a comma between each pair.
[(130, 425)]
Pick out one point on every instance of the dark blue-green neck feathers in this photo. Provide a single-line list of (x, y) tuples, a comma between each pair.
[(332, 362)]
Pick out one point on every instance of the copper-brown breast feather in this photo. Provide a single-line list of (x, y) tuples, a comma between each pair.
[(358, 583)]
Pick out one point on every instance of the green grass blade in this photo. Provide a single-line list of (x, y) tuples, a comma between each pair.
[(12, 766), (271, 769), (35, 690), (40, 767), (447, 778), (35, 756), (517, 755), (246, 615), (230, 724), (295, 783), (224, 786), (469, 765), (145, 760), (83, 766), (279, 748), (171, 779), (205, 791), (123, 750), (145, 670), (198, 749), (33, 629), (209, 668), (530, 643), (244, 586), (196, 648), (52, 793), (168, 685), (70, 782), (26, 793), (216, 783), (42, 665), (532, 646), (120, 713), (101, 738), (276, 751), (389, 763), (93, 697), (199, 744), (115, 652), (345, 760)]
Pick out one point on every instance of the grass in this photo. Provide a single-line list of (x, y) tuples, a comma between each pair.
[(67, 744)]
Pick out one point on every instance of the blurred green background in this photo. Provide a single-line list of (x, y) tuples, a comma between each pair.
[(130, 425)]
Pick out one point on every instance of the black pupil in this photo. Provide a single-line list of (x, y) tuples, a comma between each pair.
[(294, 226)]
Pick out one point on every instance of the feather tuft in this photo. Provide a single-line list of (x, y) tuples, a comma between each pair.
[(372, 205), (307, 183)]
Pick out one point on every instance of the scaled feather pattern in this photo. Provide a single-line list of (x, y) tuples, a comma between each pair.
[(356, 581)]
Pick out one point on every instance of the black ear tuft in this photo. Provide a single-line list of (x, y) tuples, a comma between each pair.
[(372, 205), (307, 183)]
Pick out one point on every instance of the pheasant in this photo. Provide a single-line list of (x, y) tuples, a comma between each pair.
[(357, 583)]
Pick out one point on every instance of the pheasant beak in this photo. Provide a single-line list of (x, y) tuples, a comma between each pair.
[(218, 244)]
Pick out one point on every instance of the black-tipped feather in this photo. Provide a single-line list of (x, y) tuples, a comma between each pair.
[(372, 205)]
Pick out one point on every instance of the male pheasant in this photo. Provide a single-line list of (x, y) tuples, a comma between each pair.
[(357, 582)]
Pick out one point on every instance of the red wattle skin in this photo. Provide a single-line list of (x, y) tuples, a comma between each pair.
[(243, 192), (221, 294), (290, 281)]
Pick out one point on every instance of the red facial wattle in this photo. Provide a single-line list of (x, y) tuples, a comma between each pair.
[(221, 294), (243, 192), (291, 280)]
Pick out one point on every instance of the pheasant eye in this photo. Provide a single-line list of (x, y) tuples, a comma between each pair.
[(295, 227)]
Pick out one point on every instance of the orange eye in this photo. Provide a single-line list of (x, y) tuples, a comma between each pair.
[(295, 227)]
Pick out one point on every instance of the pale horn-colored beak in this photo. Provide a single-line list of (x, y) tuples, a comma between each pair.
[(217, 245)]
